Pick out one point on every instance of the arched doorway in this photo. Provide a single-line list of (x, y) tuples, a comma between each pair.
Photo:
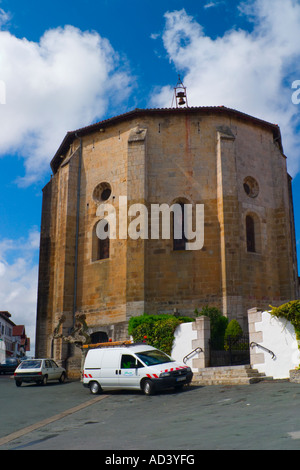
[(99, 337)]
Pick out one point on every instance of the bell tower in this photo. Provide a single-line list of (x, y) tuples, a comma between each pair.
[(180, 95)]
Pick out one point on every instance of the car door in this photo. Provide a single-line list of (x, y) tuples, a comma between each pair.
[(47, 369), (130, 371), (55, 370)]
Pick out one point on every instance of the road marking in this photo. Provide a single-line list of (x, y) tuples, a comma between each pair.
[(294, 435), (40, 424)]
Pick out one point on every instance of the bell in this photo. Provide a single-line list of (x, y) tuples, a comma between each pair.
[(181, 101)]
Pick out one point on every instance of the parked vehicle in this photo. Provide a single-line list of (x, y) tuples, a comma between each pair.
[(39, 371), (135, 367), (9, 366)]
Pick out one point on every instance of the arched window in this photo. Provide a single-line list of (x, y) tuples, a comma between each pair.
[(100, 249), (250, 234), (99, 337), (179, 239)]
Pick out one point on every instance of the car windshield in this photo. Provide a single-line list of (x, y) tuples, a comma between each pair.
[(34, 364), (153, 357)]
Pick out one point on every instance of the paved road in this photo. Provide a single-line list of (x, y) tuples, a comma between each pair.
[(261, 416)]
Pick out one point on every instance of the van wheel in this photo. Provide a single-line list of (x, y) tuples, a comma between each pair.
[(95, 388), (148, 387)]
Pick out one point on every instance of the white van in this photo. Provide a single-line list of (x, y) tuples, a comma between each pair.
[(133, 366)]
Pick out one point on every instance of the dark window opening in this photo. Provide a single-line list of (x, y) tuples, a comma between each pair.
[(247, 189), (251, 187), (103, 245), (99, 337), (250, 234), (100, 247), (102, 192), (105, 194), (178, 228)]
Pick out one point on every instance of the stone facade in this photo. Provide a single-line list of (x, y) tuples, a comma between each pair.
[(230, 162)]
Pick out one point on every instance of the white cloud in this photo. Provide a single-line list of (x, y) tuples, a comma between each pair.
[(61, 83), (18, 281), (212, 4), (4, 17), (249, 71)]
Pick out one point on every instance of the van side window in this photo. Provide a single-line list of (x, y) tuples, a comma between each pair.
[(128, 361)]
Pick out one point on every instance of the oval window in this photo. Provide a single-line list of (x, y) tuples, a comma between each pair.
[(251, 187), (102, 192)]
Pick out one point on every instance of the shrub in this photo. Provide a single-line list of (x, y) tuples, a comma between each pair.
[(291, 312), (156, 330), (218, 322), (234, 331)]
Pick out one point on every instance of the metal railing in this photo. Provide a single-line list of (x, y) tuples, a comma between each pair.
[(253, 344), (195, 351)]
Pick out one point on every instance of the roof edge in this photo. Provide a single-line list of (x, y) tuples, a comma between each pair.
[(81, 132)]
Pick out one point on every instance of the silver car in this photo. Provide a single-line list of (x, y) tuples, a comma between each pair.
[(39, 371)]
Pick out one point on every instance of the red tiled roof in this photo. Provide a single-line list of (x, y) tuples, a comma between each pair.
[(18, 330)]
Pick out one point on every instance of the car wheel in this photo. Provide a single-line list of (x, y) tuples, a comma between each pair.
[(44, 380), (18, 383), (95, 388), (62, 378), (148, 387)]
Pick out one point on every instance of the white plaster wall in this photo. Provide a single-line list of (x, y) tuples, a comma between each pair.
[(182, 344), (2, 351), (279, 336)]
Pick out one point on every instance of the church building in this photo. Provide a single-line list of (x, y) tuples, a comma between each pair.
[(229, 165)]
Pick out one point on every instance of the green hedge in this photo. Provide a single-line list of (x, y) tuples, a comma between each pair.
[(291, 312), (156, 330), (218, 323), (234, 331)]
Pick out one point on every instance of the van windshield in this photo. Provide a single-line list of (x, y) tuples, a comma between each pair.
[(153, 357)]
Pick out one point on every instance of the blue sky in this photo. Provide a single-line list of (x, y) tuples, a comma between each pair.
[(68, 64)]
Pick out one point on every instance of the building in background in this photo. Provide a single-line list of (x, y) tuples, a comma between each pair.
[(13, 336), (21, 342), (231, 163)]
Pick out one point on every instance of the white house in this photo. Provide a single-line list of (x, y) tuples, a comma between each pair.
[(13, 338)]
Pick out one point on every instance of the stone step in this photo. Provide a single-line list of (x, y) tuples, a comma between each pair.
[(228, 375)]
